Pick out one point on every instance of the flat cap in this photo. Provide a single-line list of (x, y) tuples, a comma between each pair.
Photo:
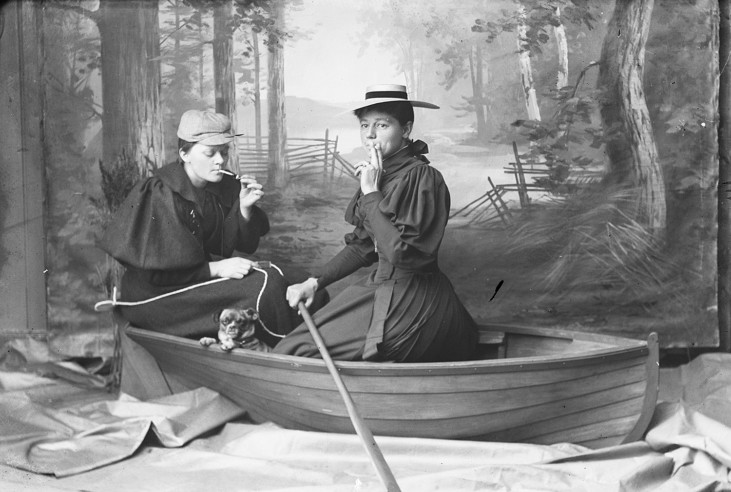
[(205, 127)]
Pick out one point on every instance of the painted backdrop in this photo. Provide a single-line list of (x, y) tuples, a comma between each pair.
[(578, 140)]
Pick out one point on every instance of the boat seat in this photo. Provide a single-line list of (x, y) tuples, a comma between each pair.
[(490, 343), (487, 336)]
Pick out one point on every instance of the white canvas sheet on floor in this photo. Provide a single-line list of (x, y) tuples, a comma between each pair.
[(178, 443)]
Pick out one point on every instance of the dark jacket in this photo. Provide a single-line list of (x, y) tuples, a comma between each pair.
[(169, 230), (408, 307)]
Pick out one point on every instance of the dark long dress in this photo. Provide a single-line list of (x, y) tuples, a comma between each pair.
[(167, 231), (407, 309)]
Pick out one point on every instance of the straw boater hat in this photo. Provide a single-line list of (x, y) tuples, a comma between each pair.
[(376, 94), (205, 127)]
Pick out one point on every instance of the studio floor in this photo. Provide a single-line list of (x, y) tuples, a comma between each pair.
[(65, 432)]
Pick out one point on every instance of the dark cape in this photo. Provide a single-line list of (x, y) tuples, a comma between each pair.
[(406, 310), (162, 224), (167, 231)]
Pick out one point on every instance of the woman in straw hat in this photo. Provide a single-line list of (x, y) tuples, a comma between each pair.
[(178, 235), (406, 310)]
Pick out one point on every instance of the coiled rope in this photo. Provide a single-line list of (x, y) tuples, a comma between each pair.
[(110, 304)]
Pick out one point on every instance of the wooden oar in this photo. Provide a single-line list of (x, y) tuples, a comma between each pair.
[(366, 437)]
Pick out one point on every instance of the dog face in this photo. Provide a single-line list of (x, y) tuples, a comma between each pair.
[(237, 324)]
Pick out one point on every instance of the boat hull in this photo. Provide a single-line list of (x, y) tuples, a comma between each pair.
[(549, 386)]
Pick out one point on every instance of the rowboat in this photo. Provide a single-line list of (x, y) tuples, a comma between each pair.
[(530, 384)]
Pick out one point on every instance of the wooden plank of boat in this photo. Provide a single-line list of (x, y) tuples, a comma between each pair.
[(548, 386)]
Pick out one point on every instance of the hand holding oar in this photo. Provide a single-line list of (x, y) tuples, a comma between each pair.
[(374, 452)]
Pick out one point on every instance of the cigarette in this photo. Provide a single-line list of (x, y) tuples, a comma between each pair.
[(226, 171), (230, 173)]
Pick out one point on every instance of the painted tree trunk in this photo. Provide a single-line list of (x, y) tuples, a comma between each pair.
[(407, 69), (631, 146), (132, 123), (176, 36), (278, 172), (562, 79), (201, 61), (526, 71), (23, 195), (223, 71), (419, 70), (413, 63), (257, 88), (478, 91), (724, 180)]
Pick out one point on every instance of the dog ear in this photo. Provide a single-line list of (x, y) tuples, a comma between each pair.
[(252, 313), (217, 316)]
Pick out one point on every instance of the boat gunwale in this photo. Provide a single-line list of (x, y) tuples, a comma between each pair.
[(622, 348)]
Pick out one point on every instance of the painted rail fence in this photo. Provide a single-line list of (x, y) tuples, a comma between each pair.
[(305, 157)]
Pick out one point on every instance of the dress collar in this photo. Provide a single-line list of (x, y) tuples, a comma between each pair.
[(403, 160), (404, 156), (393, 166)]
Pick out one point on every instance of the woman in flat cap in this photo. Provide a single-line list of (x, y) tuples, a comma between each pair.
[(180, 235), (405, 310)]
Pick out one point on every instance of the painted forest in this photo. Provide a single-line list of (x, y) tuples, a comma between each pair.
[(609, 108)]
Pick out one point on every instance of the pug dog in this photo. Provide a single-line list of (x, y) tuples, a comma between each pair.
[(236, 330)]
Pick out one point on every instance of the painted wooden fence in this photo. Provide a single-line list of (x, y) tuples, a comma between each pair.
[(540, 182), (305, 157), (487, 208)]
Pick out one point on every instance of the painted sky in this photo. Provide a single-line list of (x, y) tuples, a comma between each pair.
[(329, 66)]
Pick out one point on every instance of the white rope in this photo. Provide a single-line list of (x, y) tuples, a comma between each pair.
[(113, 302), (261, 292)]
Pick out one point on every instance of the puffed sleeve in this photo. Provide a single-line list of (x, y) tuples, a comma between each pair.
[(408, 219), (358, 252), (146, 233), (241, 234)]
